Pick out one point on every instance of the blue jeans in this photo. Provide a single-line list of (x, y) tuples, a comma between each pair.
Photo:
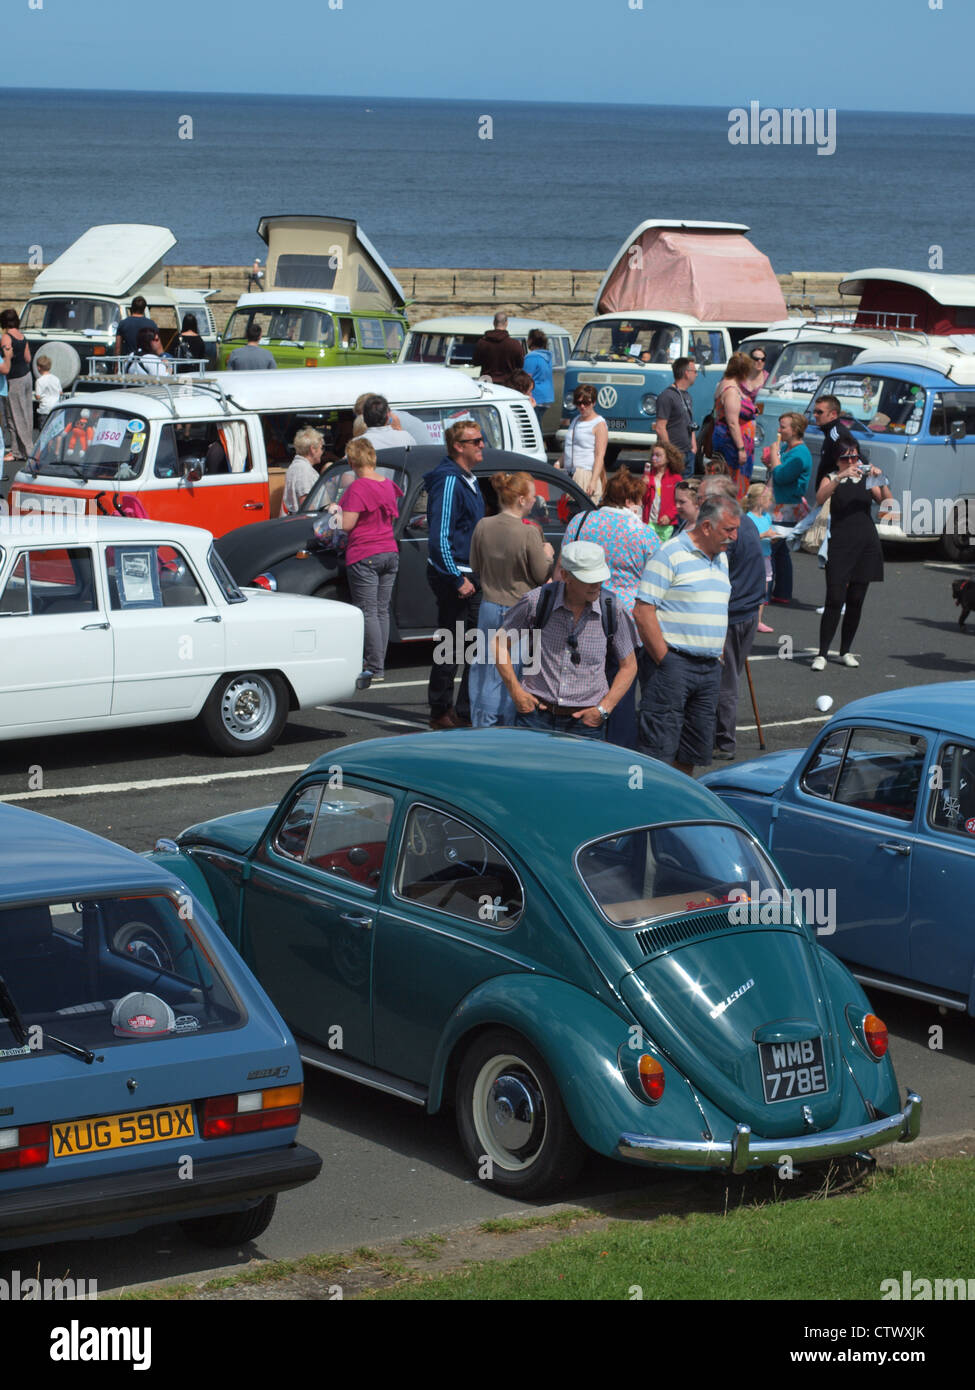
[(490, 702), (545, 722), (371, 585)]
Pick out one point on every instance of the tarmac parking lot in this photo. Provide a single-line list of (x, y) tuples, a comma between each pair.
[(389, 1169)]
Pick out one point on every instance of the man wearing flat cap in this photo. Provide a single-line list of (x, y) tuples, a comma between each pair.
[(564, 686)]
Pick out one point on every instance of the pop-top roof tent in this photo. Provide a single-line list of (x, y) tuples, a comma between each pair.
[(943, 305), (707, 269), (306, 252), (113, 259)]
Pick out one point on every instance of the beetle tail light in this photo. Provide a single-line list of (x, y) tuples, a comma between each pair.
[(25, 1147), (265, 581), (651, 1075), (250, 1112), (875, 1033)]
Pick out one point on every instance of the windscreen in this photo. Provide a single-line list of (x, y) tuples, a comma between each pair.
[(91, 442)]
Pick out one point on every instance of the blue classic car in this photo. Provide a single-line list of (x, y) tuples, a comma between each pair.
[(879, 811), (145, 1077), (570, 943)]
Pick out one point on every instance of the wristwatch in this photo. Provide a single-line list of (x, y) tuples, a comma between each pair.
[(603, 712)]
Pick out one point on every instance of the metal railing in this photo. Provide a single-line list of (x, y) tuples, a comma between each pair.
[(101, 366)]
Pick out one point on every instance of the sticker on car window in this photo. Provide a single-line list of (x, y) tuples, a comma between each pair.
[(108, 433)]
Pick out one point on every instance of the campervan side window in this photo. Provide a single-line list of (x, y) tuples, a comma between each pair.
[(950, 406), (295, 272)]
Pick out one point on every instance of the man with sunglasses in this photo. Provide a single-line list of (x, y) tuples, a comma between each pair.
[(567, 691), (837, 438), (454, 507)]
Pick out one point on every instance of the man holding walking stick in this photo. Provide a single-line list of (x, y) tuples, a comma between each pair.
[(746, 570)]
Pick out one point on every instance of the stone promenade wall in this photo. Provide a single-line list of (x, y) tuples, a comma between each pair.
[(560, 296)]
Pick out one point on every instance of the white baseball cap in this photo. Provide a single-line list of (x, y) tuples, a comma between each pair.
[(585, 561)]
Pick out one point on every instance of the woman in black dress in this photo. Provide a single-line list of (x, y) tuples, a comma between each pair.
[(854, 557)]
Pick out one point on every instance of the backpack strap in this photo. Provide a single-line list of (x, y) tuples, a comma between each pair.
[(543, 609), (607, 603)]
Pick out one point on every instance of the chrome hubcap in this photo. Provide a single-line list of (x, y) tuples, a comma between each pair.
[(247, 707), (509, 1113)]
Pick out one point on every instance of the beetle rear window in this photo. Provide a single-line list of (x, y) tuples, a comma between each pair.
[(665, 870), (105, 970)]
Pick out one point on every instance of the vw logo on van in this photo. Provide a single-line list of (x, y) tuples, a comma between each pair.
[(606, 397)]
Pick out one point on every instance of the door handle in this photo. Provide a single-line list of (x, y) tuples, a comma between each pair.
[(213, 618), (253, 506), (894, 847), (96, 627), (357, 920)]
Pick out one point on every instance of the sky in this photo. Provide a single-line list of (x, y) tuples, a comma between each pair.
[(877, 55)]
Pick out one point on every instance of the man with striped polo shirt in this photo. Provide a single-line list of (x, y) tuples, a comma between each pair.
[(681, 615)]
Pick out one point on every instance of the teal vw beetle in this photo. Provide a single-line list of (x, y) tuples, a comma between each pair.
[(575, 946)]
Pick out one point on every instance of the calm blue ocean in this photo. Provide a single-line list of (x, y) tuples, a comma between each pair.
[(556, 186)]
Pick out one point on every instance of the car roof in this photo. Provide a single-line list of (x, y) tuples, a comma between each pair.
[(43, 858), (941, 706), (422, 458), (480, 323), (115, 530), (544, 793)]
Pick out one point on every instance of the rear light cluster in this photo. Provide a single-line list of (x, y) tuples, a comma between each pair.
[(265, 581), (651, 1075), (869, 1030), (250, 1112), (875, 1032), (26, 1147)]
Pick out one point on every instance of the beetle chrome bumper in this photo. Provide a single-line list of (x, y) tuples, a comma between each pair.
[(744, 1152)]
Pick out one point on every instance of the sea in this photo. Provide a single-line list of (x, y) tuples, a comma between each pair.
[(478, 183)]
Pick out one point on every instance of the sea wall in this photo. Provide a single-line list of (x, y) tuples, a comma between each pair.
[(559, 296)]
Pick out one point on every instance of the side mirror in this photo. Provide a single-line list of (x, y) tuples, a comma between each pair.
[(958, 430), (192, 473)]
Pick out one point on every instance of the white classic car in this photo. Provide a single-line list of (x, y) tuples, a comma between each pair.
[(113, 622)]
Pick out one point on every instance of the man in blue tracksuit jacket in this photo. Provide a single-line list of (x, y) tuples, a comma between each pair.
[(454, 507)]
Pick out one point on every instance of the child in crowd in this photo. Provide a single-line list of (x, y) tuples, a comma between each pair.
[(757, 504), (47, 389)]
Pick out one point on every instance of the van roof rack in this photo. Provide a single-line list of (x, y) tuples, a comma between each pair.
[(168, 390)]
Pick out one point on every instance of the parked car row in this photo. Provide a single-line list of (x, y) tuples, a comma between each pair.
[(577, 974)]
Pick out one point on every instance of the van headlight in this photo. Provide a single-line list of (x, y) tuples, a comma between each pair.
[(568, 405), (648, 404)]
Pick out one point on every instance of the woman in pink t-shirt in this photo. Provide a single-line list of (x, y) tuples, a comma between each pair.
[(370, 505)]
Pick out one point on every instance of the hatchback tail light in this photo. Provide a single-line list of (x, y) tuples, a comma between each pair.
[(250, 1112), (26, 1147), (265, 581)]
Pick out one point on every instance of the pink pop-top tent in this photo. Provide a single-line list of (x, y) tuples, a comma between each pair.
[(707, 269)]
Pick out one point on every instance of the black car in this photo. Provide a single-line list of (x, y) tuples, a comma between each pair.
[(285, 554)]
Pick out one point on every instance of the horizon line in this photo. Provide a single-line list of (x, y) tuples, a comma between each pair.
[(458, 101)]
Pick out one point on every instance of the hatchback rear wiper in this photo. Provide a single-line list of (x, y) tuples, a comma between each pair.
[(16, 1024)]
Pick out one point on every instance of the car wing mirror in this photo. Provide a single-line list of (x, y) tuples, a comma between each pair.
[(958, 429), (192, 473)]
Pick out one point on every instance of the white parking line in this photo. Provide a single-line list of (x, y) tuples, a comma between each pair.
[(786, 723), (150, 784), (379, 718)]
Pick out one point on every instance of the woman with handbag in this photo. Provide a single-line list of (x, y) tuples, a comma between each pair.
[(790, 467), (734, 419), (585, 444), (20, 387)]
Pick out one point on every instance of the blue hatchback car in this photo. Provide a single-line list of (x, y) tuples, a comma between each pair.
[(145, 1077), (879, 811)]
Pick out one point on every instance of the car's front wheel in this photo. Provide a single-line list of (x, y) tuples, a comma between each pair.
[(234, 1228), (245, 712), (513, 1125), (954, 549)]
